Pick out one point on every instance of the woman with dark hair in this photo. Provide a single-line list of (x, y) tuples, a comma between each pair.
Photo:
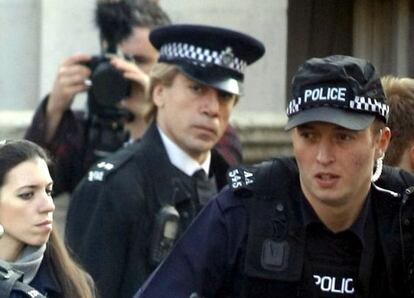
[(30, 249)]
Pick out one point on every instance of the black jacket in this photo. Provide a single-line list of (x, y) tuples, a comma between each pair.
[(383, 266), (249, 241), (111, 215)]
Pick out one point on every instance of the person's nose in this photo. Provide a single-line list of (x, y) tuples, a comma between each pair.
[(211, 103), (325, 154), (47, 204)]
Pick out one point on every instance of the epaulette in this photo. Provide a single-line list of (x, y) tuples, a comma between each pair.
[(247, 180), (241, 179), (102, 169)]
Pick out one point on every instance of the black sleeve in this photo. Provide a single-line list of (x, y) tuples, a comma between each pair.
[(395, 179), (205, 256), (105, 233)]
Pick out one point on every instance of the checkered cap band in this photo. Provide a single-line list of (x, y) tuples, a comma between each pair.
[(349, 102), (204, 56)]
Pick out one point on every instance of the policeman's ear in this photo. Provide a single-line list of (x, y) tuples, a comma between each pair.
[(383, 141), (159, 95)]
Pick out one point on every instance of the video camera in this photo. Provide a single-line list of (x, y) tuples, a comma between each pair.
[(108, 85)]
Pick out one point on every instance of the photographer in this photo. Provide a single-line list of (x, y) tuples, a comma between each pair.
[(69, 135)]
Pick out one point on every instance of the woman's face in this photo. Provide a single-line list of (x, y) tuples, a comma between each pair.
[(26, 205)]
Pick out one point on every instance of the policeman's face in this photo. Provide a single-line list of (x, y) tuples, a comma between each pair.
[(335, 163), (140, 48), (193, 115), (26, 205)]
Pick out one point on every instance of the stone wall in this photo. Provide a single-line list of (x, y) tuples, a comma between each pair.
[(263, 142), (262, 135), (13, 124)]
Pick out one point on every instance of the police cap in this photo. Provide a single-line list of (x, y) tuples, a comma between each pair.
[(338, 89), (213, 56)]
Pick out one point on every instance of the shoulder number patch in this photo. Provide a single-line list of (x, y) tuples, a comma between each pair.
[(95, 176), (100, 170), (240, 178)]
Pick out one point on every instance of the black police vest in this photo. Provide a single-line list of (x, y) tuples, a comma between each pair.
[(275, 250), (275, 245)]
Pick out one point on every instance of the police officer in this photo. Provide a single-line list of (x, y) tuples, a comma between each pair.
[(129, 210), (315, 225)]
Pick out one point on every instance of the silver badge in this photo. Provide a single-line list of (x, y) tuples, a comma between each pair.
[(227, 56)]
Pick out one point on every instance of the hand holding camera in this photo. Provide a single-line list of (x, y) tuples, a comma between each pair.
[(70, 80)]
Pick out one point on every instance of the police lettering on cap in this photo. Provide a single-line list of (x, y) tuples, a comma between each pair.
[(213, 56), (342, 90)]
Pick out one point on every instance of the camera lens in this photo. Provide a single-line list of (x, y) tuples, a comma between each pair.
[(109, 85)]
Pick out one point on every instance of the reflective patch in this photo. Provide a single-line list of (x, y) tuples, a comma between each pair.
[(195, 295), (239, 178), (105, 165), (95, 175), (34, 294), (101, 169)]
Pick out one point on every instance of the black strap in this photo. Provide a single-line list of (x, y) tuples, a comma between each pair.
[(28, 290), (10, 280), (275, 243)]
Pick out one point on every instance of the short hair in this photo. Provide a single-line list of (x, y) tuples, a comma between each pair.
[(400, 97), (147, 13), (140, 13)]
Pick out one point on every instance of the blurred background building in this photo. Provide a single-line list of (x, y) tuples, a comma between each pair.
[(36, 35)]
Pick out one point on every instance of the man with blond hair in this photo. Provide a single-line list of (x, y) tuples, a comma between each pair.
[(400, 98)]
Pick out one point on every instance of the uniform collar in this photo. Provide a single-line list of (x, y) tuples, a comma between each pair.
[(357, 228), (180, 159)]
